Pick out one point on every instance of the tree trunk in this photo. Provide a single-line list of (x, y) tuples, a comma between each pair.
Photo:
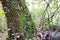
[(15, 10), (15, 14), (12, 19)]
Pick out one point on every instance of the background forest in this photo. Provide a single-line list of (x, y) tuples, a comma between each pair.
[(30, 16)]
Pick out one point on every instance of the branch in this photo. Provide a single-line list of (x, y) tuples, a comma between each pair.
[(55, 12)]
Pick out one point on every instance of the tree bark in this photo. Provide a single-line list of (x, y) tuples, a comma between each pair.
[(12, 19), (15, 14)]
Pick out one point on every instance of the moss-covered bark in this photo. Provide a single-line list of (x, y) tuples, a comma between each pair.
[(16, 17)]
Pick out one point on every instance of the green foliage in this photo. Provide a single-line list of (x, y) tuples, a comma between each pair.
[(3, 22), (32, 30), (38, 8), (2, 14)]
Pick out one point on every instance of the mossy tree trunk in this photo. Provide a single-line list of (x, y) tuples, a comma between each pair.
[(12, 18), (16, 11)]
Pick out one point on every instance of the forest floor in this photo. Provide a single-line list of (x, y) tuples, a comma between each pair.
[(3, 36)]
